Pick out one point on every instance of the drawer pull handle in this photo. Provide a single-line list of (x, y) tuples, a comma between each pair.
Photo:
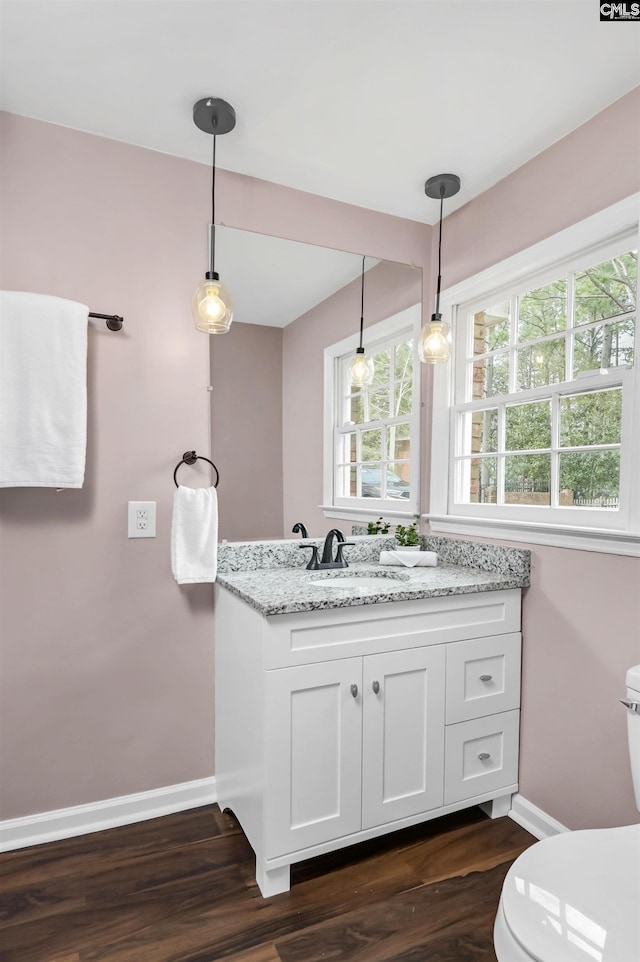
[(376, 687), (484, 756), (354, 691), (486, 677)]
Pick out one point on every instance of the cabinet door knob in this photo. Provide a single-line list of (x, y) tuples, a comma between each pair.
[(486, 677), (376, 687), (483, 756), (354, 691)]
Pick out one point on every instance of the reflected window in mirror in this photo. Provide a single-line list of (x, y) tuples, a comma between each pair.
[(372, 434)]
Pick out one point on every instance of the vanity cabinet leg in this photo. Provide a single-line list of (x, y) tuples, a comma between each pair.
[(272, 881), (497, 807)]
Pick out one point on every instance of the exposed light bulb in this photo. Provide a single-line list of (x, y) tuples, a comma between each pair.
[(434, 345), (361, 369), (212, 307)]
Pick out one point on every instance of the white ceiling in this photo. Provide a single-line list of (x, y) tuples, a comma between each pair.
[(358, 100)]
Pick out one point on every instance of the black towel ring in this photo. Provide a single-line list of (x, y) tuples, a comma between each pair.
[(190, 457)]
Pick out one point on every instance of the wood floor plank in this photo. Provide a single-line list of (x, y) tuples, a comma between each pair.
[(182, 889), (469, 848), (382, 932), (68, 856), (49, 897), (140, 914), (256, 921), (262, 953)]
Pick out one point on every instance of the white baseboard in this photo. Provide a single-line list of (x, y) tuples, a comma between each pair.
[(96, 816), (533, 819)]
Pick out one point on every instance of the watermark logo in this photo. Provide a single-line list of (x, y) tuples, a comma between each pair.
[(620, 11)]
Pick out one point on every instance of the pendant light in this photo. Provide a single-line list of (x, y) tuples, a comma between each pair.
[(360, 370), (212, 303), (434, 342)]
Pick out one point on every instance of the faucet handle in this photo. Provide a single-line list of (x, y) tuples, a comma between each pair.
[(313, 561), (343, 544)]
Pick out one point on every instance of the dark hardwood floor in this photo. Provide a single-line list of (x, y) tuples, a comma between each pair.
[(182, 889)]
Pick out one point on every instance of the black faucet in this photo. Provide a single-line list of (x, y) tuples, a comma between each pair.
[(328, 560), (300, 528)]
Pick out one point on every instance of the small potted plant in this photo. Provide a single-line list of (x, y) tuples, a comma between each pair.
[(407, 537), (378, 527)]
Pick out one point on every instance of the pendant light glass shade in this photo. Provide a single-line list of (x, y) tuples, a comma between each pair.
[(212, 306), (434, 342), (361, 370)]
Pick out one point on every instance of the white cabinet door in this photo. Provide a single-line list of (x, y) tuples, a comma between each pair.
[(403, 737), (313, 744)]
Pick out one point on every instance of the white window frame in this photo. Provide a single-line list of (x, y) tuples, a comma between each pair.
[(585, 528), (401, 326)]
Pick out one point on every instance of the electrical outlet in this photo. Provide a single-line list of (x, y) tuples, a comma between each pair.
[(141, 519)]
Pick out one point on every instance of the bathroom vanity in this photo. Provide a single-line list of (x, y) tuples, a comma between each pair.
[(345, 712)]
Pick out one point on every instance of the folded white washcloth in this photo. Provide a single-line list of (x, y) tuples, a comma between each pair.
[(410, 559), (194, 535), (43, 391)]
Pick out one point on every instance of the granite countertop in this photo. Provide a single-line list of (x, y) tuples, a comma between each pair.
[(272, 576), (279, 591)]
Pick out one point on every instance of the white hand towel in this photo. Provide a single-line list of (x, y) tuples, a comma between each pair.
[(43, 391), (194, 535), (410, 559)]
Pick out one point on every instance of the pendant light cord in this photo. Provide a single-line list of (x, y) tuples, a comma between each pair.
[(212, 257), (362, 303), (213, 183), (439, 253)]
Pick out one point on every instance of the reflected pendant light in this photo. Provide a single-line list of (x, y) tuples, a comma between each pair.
[(434, 342), (360, 370), (211, 302)]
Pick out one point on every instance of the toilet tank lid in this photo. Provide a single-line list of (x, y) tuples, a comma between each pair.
[(633, 678)]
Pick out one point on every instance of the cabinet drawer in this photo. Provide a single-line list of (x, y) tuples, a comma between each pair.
[(483, 677), (312, 636), (481, 756)]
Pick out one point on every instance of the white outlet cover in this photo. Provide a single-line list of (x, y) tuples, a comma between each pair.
[(146, 529)]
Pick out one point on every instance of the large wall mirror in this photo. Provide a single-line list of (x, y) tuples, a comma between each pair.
[(291, 300)]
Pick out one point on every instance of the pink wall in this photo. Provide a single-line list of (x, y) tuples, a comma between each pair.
[(106, 663), (581, 630), (582, 611)]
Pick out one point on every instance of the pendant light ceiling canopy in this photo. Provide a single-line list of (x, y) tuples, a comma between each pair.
[(212, 303), (434, 343)]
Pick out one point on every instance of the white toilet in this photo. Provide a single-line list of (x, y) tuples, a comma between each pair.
[(575, 897)]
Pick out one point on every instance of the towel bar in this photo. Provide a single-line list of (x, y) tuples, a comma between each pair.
[(190, 457), (114, 322)]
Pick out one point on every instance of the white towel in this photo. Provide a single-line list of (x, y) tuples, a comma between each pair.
[(194, 535), (43, 391), (410, 559)]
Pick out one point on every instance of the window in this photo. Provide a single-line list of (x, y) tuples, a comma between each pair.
[(543, 394), (372, 433)]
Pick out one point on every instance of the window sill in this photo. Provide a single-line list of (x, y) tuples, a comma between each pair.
[(605, 541), (364, 514)]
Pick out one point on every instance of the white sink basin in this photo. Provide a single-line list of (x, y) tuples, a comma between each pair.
[(360, 582)]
